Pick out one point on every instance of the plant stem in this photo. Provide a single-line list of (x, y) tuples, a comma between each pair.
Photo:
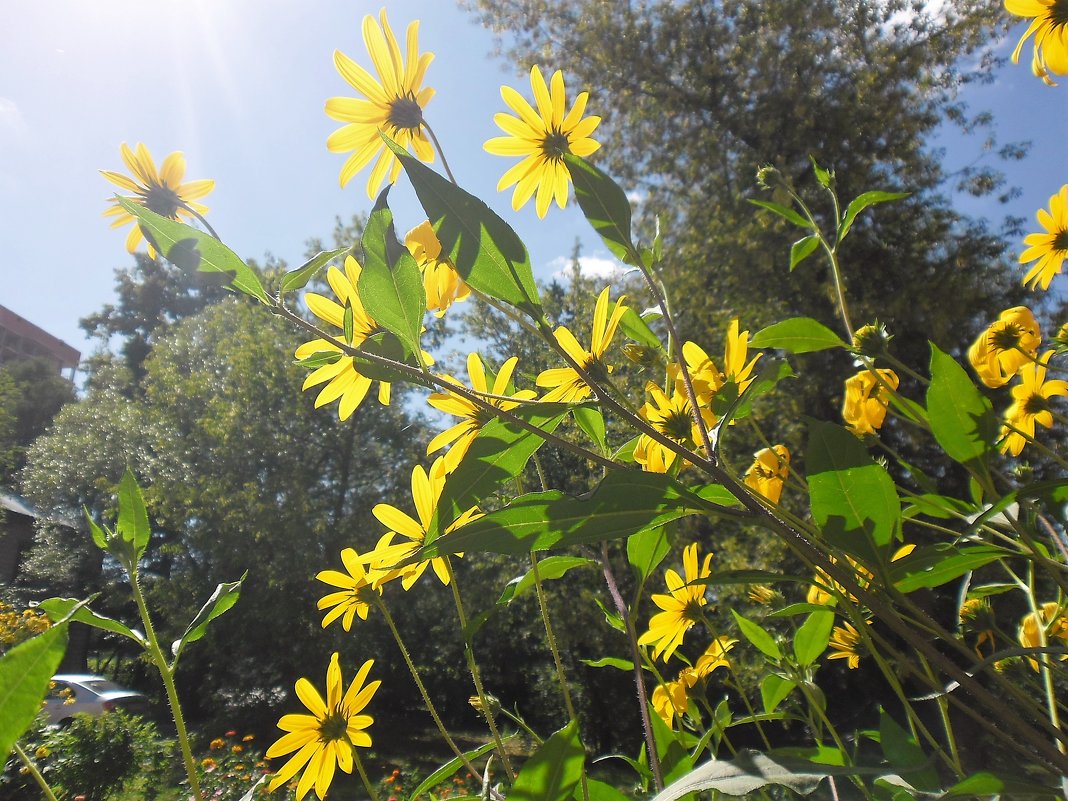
[(437, 146), (363, 775), (32, 768), (166, 673), (200, 217)]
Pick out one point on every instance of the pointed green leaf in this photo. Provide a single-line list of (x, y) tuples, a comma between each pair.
[(812, 637), (624, 503), (132, 525), (905, 755), (802, 249), (600, 791), (782, 211), (962, 419), (552, 567), (453, 765), (935, 565), (797, 335), (756, 635), (25, 672), (636, 327), (190, 249), (773, 691), (553, 771), (853, 499), (862, 202), (317, 360), (99, 535), (299, 278), (646, 550), (824, 177), (390, 285), (606, 207), (675, 759), (591, 421), (224, 597), (487, 253), (60, 608), (609, 661), (348, 323)]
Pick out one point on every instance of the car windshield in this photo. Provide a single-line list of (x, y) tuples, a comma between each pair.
[(99, 685)]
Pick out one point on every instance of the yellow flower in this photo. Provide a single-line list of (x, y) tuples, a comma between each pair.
[(669, 699), (671, 416), (1030, 405), (162, 192), (681, 605), (763, 594), (355, 597), (706, 377), (1049, 248), (768, 472), (1000, 351), (566, 385), (866, 400), (715, 656), (217, 743), (426, 491), (342, 378), (1038, 628), (977, 617), (1049, 24), (542, 137), (394, 104), (474, 417), (443, 285), (845, 643), (324, 739)]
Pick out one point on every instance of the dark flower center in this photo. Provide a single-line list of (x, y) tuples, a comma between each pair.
[(163, 200), (1007, 337), (1060, 241), (692, 611), (677, 424), (555, 146), (1058, 13), (405, 113), (333, 727), (1035, 404)]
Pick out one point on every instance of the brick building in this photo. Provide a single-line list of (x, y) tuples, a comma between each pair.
[(21, 339)]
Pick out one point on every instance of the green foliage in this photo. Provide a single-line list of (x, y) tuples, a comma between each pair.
[(553, 772), (25, 672), (31, 394)]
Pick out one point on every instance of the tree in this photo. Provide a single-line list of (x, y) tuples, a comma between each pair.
[(31, 393)]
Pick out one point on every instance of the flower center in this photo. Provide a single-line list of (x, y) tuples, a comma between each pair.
[(405, 113), (1060, 241), (1035, 404), (692, 611), (1007, 337), (1058, 13), (555, 146), (333, 726), (163, 200), (676, 424)]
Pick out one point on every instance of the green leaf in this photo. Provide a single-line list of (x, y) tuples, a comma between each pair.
[(605, 205), (487, 253), (591, 421), (987, 784), (624, 503), (935, 565), (224, 597), (905, 755), (748, 771), (390, 285), (190, 249), (609, 661), (453, 765), (797, 335), (99, 535), (853, 499), (299, 278), (824, 177), (862, 202), (636, 327), (756, 635), (802, 249), (782, 211), (934, 505), (61, 608), (348, 323), (730, 406), (25, 673), (552, 567), (498, 454), (646, 550), (675, 759), (750, 577), (320, 358), (553, 771), (962, 419), (773, 691), (132, 525), (601, 791), (812, 637)]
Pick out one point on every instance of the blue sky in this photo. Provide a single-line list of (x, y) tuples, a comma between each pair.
[(239, 87)]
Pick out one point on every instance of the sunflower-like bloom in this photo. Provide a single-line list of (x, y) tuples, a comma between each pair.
[(443, 285), (706, 377), (670, 701), (1049, 248), (763, 594), (564, 383), (1049, 24), (977, 619), (671, 416), (342, 377), (845, 644), (162, 192), (542, 137), (1006, 346), (1031, 405), (768, 472), (1039, 628), (356, 590), (324, 739), (866, 399), (715, 656), (473, 416), (821, 591), (393, 104), (426, 492), (681, 605)]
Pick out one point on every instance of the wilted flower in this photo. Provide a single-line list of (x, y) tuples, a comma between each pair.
[(866, 399), (768, 472)]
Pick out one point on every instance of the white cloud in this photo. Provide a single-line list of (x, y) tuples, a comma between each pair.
[(599, 267), (11, 119)]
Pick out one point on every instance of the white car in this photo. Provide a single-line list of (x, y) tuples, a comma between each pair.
[(72, 693)]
